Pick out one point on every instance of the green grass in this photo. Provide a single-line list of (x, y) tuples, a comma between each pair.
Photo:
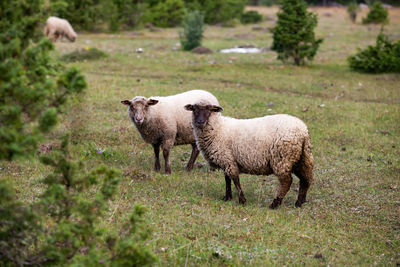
[(352, 217)]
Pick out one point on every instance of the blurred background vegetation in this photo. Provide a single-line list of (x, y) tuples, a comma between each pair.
[(115, 15)]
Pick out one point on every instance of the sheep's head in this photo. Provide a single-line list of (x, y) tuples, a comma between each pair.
[(202, 111), (71, 37), (138, 108)]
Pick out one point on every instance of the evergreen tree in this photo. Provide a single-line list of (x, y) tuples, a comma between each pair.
[(352, 10), (377, 14), (63, 227), (33, 86), (293, 35), (193, 27)]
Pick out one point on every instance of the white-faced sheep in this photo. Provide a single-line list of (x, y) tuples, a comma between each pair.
[(163, 121), (277, 144), (56, 27)]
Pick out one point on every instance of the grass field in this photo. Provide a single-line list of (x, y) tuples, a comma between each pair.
[(353, 213)]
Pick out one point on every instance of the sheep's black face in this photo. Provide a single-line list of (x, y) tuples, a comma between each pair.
[(138, 109), (202, 113)]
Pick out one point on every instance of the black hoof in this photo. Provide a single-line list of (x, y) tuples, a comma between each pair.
[(299, 203), (242, 200), (276, 203), (227, 198)]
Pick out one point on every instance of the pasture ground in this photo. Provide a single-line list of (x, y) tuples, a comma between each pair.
[(353, 213)]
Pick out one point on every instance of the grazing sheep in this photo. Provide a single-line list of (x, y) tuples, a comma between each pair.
[(57, 27), (163, 121), (277, 144)]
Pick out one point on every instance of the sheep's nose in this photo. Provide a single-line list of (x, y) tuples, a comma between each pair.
[(139, 119)]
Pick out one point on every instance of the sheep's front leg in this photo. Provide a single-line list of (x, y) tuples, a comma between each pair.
[(55, 37), (228, 189), (157, 165), (166, 147), (236, 181), (193, 157), (285, 181)]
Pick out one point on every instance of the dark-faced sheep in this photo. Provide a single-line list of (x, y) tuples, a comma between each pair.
[(56, 27), (277, 144), (163, 121)]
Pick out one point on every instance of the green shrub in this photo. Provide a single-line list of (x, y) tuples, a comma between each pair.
[(262, 2), (384, 57), (168, 13), (376, 14), (111, 16), (293, 35), (251, 17), (91, 53), (267, 2), (57, 8), (130, 12), (193, 28), (64, 226), (352, 10), (218, 11)]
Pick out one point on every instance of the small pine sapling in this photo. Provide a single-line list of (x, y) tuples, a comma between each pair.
[(352, 10), (293, 35), (193, 28)]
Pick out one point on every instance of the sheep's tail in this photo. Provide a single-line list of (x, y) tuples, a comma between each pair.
[(307, 160)]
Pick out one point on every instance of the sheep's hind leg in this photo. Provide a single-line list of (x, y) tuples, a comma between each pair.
[(228, 188), (193, 157), (236, 181), (285, 181), (166, 146), (157, 165), (305, 174)]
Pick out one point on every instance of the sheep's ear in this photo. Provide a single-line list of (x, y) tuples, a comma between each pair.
[(152, 102), (215, 108), (189, 107), (126, 102)]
